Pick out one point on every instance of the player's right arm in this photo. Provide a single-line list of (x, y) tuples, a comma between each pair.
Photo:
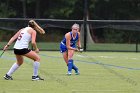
[(12, 40)]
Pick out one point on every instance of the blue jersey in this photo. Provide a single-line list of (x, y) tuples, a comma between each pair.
[(73, 42)]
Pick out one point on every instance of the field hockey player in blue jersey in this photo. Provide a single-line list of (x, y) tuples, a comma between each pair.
[(69, 45)]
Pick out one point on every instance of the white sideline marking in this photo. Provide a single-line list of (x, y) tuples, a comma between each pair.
[(109, 57), (80, 56), (74, 91), (106, 57), (134, 58), (19, 89), (94, 56)]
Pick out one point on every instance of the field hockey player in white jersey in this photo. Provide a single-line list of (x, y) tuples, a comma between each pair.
[(23, 37)]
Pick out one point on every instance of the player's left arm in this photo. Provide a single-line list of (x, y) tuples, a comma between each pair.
[(79, 41)]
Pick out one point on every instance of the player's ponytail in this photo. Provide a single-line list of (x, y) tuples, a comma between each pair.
[(36, 27)]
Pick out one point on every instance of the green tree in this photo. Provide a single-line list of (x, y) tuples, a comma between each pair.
[(115, 10), (5, 10)]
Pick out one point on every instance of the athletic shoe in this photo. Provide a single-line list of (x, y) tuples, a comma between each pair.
[(69, 73), (34, 78), (7, 77), (77, 72)]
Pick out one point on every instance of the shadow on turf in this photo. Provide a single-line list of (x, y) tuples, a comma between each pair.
[(50, 75), (127, 79)]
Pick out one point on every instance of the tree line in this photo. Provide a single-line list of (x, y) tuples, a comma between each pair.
[(70, 9), (74, 9)]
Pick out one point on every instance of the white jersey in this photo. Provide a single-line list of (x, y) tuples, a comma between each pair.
[(23, 39)]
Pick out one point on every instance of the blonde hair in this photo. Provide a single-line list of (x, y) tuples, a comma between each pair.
[(75, 26), (36, 27)]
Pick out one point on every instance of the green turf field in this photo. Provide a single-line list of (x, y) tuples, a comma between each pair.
[(100, 72)]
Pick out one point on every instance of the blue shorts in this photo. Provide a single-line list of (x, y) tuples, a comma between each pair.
[(63, 47)]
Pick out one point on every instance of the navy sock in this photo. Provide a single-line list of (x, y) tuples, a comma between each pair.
[(70, 65), (74, 67)]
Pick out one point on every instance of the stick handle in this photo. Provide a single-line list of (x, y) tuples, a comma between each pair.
[(2, 53)]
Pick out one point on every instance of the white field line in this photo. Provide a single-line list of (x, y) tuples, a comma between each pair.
[(92, 91), (19, 89), (108, 57)]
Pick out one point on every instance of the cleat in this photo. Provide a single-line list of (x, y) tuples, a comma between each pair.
[(69, 73), (77, 72), (7, 77), (34, 78)]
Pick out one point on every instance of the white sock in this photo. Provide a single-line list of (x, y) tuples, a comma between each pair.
[(14, 67), (36, 67)]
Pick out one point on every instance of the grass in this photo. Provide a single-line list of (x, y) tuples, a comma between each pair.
[(101, 72)]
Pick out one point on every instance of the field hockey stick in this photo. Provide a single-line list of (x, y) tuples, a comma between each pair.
[(2, 54)]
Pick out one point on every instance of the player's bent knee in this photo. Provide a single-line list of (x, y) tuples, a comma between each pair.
[(37, 59), (19, 63)]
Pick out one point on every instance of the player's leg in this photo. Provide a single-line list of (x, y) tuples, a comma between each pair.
[(76, 69), (71, 53), (70, 61), (63, 50), (14, 67), (65, 57), (33, 55)]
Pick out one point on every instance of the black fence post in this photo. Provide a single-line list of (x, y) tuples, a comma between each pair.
[(85, 24), (136, 45)]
